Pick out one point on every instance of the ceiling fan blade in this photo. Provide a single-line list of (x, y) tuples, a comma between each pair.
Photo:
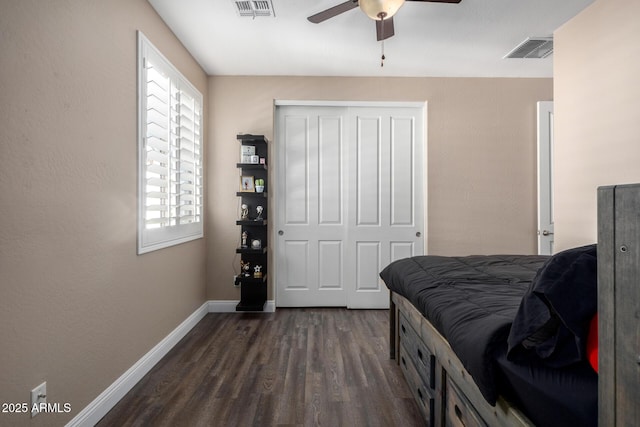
[(384, 29), (333, 11), (438, 1)]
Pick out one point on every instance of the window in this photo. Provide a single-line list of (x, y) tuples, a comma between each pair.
[(170, 205)]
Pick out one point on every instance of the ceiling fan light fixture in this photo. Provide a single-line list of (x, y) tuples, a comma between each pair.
[(380, 9)]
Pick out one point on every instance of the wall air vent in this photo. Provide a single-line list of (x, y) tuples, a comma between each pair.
[(533, 47), (254, 8)]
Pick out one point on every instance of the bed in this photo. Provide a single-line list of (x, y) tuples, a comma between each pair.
[(510, 339), (471, 303)]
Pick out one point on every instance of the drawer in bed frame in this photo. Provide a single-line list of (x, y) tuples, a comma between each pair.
[(417, 366), (460, 413), (421, 357), (448, 395), (421, 393)]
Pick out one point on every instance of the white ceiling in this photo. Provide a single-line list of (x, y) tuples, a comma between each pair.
[(431, 39)]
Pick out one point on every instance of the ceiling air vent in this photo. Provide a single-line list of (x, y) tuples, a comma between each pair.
[(533, 47), (254, 8)]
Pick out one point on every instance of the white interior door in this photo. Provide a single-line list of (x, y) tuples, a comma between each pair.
[(385, 204), (311, 223), (349, 201), (545, 178)]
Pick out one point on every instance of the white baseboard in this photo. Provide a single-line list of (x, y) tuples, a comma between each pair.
[(102, 404)]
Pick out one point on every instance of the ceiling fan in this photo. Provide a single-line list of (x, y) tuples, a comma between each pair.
[(381, 11)]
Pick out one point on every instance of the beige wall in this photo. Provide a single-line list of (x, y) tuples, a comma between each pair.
[(77, 306), (481, 157), (597, 111)]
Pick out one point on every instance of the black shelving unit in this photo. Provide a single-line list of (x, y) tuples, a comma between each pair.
[(253, 290)]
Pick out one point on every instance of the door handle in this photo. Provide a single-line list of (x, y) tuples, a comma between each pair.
[(418, 234), (546, 232), (280, 232)]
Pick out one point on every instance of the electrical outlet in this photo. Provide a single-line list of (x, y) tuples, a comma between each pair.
[(235, 283), (38, 397)]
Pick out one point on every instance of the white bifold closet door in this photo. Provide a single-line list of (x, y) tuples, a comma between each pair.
[(349, 201)]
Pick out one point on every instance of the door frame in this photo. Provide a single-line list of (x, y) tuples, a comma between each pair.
[(545, 141), (423, 105)]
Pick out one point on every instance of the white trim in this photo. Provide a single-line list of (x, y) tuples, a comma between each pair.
[(425, 176), (102, 404), (169, 235), (319, 103)]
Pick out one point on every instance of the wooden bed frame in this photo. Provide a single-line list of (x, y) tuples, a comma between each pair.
[(619, 305), (445, 391)]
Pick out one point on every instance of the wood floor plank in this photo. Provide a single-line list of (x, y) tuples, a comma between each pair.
[(294, 367)]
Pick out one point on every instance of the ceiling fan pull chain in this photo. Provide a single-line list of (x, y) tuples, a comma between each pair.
[(382, 58)]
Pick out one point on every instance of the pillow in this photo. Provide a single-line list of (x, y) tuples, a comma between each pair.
[(592, 343), (552, 322)]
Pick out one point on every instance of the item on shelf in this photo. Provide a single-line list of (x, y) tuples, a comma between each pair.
[(256, 244), (247, 184), (244, 236), (246, 151), (254, 160), (257, 272), (259, 185), (244, 211), (245, 266), (259, 210)]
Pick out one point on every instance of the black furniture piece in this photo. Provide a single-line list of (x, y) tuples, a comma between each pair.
[(253, 282)]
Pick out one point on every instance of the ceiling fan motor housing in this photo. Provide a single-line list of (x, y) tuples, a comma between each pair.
[(380, 9)]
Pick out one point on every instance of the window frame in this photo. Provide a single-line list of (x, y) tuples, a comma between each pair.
[(184, 178)]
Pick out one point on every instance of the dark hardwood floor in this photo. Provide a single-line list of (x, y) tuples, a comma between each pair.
[(302, 367)]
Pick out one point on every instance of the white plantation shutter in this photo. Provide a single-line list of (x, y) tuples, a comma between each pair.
[(170, 153)]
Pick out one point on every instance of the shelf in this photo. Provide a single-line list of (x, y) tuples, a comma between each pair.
[(253, 138), (253, 291), (256, 166), (251, 222), (251, 305), (250, 251), (251, 280), (251, 194)]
